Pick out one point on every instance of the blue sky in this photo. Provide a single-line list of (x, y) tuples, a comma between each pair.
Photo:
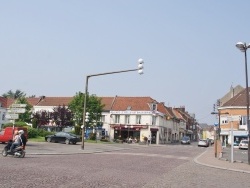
[(48, 48)]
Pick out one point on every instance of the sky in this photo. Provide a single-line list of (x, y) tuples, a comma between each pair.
[(188, 47)]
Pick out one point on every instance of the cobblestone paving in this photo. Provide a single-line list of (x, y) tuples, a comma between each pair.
[(163, 167)]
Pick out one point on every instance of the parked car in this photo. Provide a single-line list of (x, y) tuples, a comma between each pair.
[(236, 143), (63, 137), (185, 140), (243, 144), (210, 141), (203, 143)]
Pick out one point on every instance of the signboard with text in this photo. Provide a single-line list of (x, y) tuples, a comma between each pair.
[(18, 105), (11, 116), (16, 110)]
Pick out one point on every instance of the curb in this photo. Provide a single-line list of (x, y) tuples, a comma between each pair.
[(218, 167)]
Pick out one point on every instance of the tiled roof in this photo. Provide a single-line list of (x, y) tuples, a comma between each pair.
[(169, 112), (133, 103), (178, 114), (107, 101), (116, 103), (55, 101), (237, 100)]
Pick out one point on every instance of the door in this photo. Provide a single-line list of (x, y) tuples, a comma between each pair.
[(153, 137)]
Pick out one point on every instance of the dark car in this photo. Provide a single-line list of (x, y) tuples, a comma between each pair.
[(63, 137), (185, 140)]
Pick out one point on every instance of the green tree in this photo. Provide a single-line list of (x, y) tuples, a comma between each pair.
[(14, 95), (25, 117), (94, 107)]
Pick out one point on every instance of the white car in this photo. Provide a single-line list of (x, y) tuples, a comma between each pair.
[(203, 143), (243, 144)]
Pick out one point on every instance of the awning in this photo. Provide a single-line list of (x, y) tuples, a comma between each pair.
[(153, 129), (224, 133), (189, 132)]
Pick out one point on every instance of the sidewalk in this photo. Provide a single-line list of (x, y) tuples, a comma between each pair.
[(207, 158)]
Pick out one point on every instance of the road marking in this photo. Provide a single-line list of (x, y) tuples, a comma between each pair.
[(147, 155)]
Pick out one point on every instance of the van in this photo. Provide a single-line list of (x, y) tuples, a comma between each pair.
[(7, 133)]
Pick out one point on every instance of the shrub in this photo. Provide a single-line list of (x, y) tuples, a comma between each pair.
[(34, 123), (32, 133), (104, 140), (92, 136), (17, 124), (43, 133)]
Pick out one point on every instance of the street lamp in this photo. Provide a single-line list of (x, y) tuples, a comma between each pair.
[(243, 48), (140, 71), (217, 133)]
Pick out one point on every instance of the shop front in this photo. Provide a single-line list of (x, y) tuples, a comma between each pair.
[(123, 132)]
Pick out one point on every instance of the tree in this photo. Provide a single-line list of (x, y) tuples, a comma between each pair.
[(94, 107), (62, 116), (25, 117), (40, 118), (14, 95)]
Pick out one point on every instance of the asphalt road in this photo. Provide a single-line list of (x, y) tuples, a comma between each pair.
[(163, 167)]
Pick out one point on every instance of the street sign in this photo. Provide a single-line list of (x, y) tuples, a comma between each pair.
[(18, 105), (16, 110), (216, 124), (11, 116), (234, 118)]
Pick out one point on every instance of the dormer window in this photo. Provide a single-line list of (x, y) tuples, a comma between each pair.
[(153, 106), (129, 108)]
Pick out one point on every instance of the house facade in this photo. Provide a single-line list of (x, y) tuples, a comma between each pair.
[(124, 117), (232, 117)]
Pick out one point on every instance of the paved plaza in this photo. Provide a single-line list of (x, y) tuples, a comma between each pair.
[(120, 165)]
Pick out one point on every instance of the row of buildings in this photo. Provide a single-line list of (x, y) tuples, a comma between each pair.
[(232, 115), (123, 117), (140, 117)]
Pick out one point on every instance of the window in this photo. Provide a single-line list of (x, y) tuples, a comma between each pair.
[(138, 119), (153, 106), (223, 120), (103, 118), (117, 118), (154, 120), (243, 120), (127, 117)]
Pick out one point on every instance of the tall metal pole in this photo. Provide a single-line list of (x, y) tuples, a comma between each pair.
[(140, 71), (247, 98), (243, 48), (215, 142), (84, 111)]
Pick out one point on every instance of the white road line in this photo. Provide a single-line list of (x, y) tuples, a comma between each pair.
[(147, 155)]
